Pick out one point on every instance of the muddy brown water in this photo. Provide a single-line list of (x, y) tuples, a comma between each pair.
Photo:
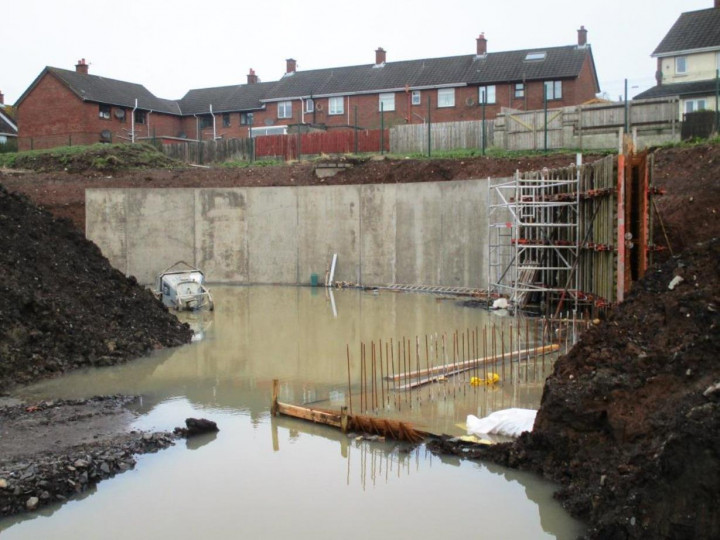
[(284, 478)]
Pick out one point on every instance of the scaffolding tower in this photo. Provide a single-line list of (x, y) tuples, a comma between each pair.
[(534, 228)]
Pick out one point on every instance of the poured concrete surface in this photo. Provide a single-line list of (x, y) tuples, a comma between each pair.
[(431, 233)]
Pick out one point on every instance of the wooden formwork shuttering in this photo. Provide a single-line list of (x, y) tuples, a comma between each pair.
[(573, 236)]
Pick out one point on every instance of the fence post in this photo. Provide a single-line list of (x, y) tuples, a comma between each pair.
[(484, 132), (545, 88), (429, 129), (356, 131), (382, 128), (717, 102)]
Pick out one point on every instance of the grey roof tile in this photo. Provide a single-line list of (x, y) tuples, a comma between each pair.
[(560, 62), (692, 30), (696, 88), (224, 98), (113, 92)]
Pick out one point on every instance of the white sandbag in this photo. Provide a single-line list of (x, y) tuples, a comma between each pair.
[(508, 422)]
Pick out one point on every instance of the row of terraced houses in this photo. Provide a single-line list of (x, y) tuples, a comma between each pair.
[(75, 107)]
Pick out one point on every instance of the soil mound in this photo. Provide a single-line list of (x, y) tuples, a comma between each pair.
[(63, 306), (629, 423), (99, 157)]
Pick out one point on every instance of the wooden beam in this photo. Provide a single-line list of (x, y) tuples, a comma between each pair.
[(459, 367)]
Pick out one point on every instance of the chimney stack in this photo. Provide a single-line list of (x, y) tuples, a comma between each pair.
[(380, 56), (2, 98), (291, 65), (481, 45), (251, 77), (582, 37), (81, 67), (717, 4)]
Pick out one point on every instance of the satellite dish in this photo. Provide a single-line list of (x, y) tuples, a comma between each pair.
[(469, 102), (119, 114), (105, 135)]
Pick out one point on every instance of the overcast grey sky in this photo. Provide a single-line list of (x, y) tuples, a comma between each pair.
[(172, 46)]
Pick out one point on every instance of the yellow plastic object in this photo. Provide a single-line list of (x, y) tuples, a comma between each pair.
[(492, 378)]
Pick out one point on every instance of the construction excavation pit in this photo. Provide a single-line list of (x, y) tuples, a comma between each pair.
[(579, 293)]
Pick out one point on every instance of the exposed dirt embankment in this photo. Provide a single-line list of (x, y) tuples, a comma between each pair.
[(630, 419), (62, 305)]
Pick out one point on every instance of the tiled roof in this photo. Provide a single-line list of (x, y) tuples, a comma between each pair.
[(693, 30), (7, 127), (696, 88), (510, 66), (224, 98), (493, 68), (113, 92)]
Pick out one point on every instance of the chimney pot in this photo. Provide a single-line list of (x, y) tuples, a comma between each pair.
[(481, 45), (252, 78), (380, 55), (81, 66), (717, 4), (291, 65), (582, 36), (2, 98)]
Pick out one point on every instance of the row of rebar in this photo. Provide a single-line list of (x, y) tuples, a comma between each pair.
[(391, 372)]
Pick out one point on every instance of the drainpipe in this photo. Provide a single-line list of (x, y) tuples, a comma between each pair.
[(132, 125), (302, 111), (348, 110), (213, 117), (148, 122), (197, 127)]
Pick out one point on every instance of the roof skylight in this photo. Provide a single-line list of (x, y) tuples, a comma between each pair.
[(535, 56)]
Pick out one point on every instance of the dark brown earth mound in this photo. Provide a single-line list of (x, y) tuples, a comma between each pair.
[(99, 157), (629, 423), (63, 306)]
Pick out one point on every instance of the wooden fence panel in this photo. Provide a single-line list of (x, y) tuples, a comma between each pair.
[(443, 136)]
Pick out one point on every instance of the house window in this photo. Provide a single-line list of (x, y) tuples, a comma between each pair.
[(246, 118), (535, 56), (226, 119), (692, 105), (284, 109), (386, 102), (520, 90), (309, 105), (486, 94), (446, 97), (681, 65), (336, 105), (206, 122), (416, 97), (140, 117), (104, 112), (553, 90)]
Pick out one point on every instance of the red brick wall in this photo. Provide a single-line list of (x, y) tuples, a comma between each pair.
[(51, 115)]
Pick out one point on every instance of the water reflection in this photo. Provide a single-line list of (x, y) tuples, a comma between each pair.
[(258, 467)]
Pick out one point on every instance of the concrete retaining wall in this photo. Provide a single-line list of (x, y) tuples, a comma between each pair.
[(431, 233)]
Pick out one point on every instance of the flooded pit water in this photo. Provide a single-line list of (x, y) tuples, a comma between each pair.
[(285, 478)]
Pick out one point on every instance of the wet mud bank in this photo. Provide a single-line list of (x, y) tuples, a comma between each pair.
[(53, 450), (629, 424)]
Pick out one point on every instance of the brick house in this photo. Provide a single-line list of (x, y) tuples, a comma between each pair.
[(74, 107), (688, 58)]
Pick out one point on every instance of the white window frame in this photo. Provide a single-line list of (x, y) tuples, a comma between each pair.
[(681, 65), (284, 109), (309, 105), (416, 98), (553, 89), (695, 105), (519, 90), (445, 97), (487, 94), (387, 102), (336, 106)]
